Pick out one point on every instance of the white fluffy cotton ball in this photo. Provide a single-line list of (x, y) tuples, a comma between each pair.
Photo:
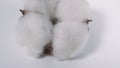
[(69, 36), (71, 33), (35, 32)]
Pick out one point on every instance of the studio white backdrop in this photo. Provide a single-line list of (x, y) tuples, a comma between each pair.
[(102, 50)]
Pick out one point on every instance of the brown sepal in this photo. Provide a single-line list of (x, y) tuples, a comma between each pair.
[(87, 21), (23, 11)]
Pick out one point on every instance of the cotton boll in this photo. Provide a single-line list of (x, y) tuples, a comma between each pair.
[(35, 32), (69, 39)]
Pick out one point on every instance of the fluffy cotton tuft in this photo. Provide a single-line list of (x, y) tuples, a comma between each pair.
[(70, 38), (71, 33), (34, 31), (38, 6), (72, 10)]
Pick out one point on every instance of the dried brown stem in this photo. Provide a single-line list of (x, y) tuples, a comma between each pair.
[(87, 21), (23, 11), (48, 50), (54, 21)]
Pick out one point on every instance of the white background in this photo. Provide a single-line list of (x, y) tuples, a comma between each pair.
[(102, 51)]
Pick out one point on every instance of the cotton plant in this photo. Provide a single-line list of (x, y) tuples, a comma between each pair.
[(57, 28)]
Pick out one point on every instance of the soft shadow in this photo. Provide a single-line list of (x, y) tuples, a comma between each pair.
[(96, 31)]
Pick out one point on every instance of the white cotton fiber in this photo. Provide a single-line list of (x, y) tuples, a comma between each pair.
[(52, 6), (71, 33), (34, 31), (36, 6), (72, 9), (70, 37)]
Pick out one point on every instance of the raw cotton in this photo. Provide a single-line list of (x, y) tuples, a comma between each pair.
[(54, 27)]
